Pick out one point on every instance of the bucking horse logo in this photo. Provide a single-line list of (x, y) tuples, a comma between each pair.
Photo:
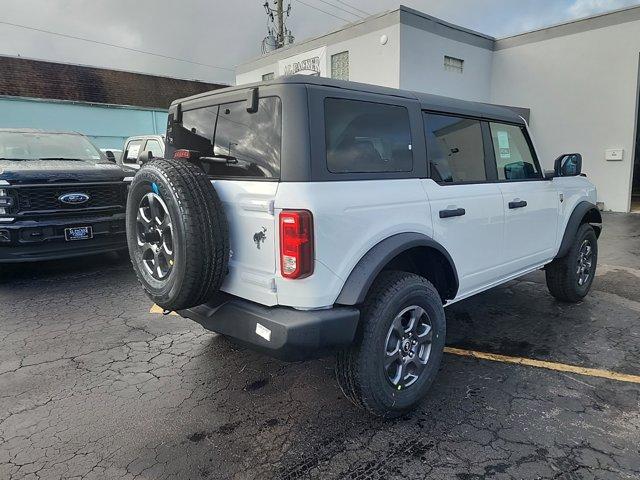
[(260, 237)]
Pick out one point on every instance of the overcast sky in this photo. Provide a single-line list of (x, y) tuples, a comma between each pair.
[(226, 33)]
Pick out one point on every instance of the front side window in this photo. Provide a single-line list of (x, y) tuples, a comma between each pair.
[(366, 137), (234, 142), (455, 149), (514, 158)]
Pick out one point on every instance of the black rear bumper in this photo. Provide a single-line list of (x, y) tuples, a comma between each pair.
[(281, 332), (43, 238)]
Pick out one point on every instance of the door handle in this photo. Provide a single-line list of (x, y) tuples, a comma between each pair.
[(456, 212), (517, 204)]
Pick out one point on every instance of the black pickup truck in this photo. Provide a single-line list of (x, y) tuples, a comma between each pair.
[(59, 197)]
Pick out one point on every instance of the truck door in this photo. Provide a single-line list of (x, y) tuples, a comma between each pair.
[(466, 204), (530, 202)]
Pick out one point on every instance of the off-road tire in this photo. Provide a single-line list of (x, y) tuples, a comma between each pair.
[(561, 274), (201, 238), (359, 368)]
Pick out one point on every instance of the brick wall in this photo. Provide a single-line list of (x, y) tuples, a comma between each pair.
[(38, 79)]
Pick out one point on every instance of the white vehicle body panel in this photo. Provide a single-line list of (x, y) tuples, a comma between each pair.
[(249, 209), (350, 218), (530, 233), (489, 245), (469, 238)]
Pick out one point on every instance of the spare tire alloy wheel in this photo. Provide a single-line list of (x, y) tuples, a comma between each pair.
[(155, 235), (177, 234)]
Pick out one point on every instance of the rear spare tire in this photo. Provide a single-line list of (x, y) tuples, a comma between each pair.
[(177, 234)]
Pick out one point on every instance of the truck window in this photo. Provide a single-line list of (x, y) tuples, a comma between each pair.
[(243, 144), (155, 148), (133, 150), (366, 137), (514, 158), (455, 149)]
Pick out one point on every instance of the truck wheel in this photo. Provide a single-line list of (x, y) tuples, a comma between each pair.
[(389, 370), (569, 278), (177, 234)]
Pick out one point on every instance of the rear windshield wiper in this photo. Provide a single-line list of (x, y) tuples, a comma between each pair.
[(220, 158), (62, 158), (16, 159)]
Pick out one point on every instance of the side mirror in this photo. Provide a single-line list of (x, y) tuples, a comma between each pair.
[(110, 156), (568, 165)]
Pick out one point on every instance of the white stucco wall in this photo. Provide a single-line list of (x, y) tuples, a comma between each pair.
[(581, 87), (369, 61), (256, 75), (582, 91), (422, 66)]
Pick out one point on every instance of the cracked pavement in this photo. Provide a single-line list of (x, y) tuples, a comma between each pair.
[(93, 386)]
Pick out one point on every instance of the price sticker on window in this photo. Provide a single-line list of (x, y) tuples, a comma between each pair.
[(503, 144)]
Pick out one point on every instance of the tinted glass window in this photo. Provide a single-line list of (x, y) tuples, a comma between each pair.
[(455, 149), (513, 154), (365, 137), (133, 150), (155, 148), (236, 142)]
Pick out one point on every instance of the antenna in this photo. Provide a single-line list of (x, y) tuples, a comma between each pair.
[(278, 35)]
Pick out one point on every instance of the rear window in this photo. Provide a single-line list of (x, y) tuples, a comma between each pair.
[(238, 143), (366, 137)]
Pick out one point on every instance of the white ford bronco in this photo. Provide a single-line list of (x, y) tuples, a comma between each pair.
[(306, 215)]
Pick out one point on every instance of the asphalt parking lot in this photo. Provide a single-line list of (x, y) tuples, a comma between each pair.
[(92, 385)]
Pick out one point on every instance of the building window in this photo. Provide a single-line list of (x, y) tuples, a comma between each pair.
[(452, 64), (340, 66), (268, 76)]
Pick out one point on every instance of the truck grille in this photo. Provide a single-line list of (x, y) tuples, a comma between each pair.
[(47, 198)]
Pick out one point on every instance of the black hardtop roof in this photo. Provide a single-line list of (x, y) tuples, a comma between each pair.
[(427, 101)]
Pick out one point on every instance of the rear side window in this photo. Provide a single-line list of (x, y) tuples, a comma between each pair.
[(514, 157), (366, 137), (155, 148), (455, 149), (236, 142)]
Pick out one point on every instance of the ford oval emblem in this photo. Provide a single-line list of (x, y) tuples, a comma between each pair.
[(74, 198)]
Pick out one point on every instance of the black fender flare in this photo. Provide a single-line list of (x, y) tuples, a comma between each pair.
[(371, 264), (575, 220)]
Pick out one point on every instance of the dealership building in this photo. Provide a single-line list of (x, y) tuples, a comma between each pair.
[(578, 81)]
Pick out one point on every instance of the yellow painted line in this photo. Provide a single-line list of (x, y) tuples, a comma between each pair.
[(559, 367), (530, 362), (156, 309)]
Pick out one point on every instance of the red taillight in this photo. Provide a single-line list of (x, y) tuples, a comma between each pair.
[(296, 243), (182, 153)]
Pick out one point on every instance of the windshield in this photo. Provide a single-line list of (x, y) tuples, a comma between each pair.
[(47, 146)]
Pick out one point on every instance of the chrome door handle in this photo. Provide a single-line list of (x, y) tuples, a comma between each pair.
[(456, 212), (517, 204)]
